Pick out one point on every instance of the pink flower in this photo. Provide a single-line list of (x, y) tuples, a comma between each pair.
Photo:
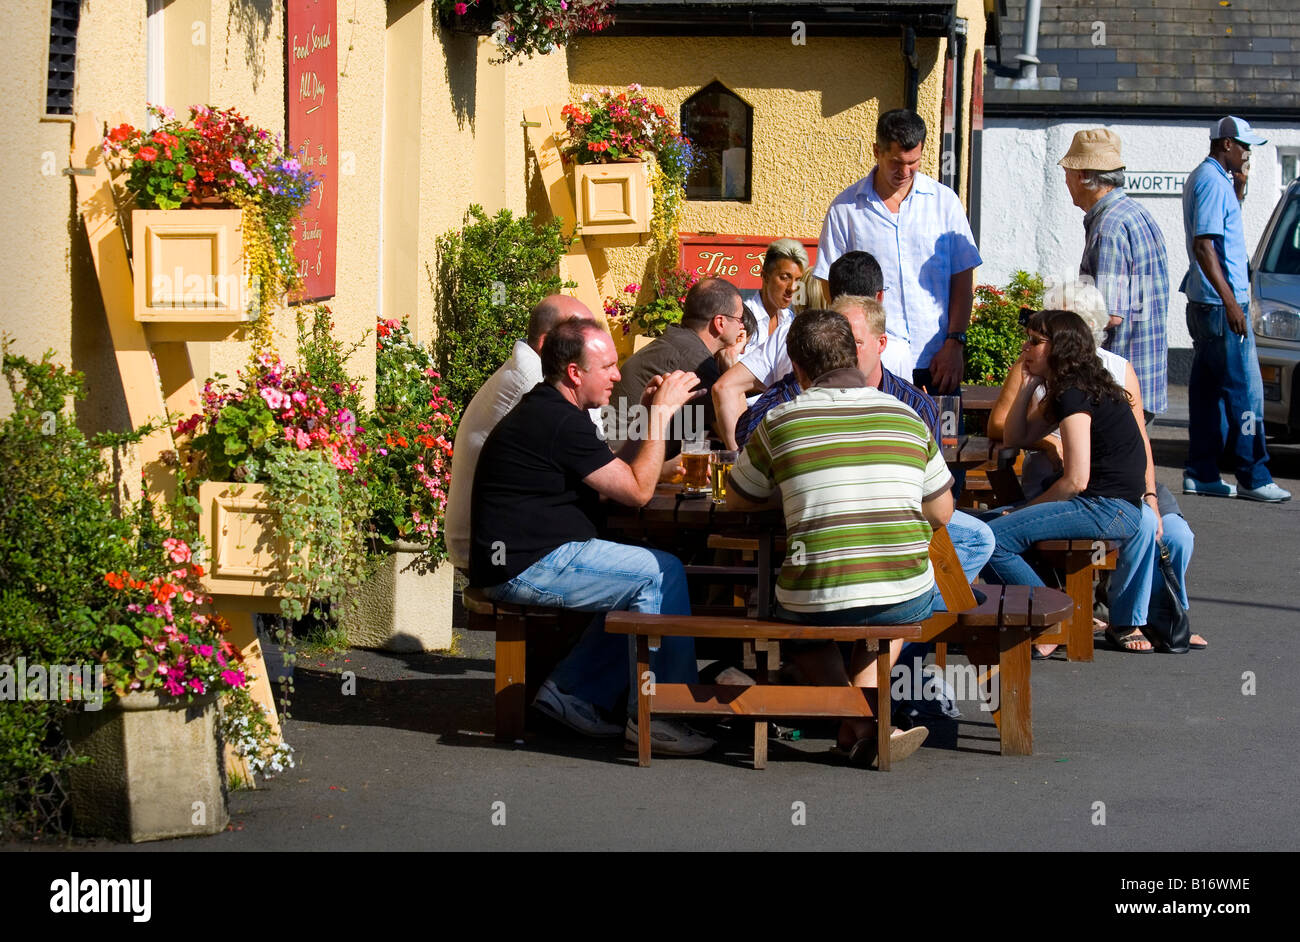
[(274, 398), (237, 165), (177, 550), (173, 687), (461, 9), (203, 650), (196, 685), (303, 441), (233, 678)]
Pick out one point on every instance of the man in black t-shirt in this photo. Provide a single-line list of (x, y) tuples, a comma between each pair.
[(534, 534)]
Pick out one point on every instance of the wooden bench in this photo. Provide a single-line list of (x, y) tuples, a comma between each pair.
[(548, 629), (1081, 560), (997, 635)]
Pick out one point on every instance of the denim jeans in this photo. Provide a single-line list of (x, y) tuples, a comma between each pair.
[(600, 576), (907, 612), (1080, 518), (1225, 400), (973, 541), (1137, 570)]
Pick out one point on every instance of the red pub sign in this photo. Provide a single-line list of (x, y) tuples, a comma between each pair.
[(737, 258), (313, 108)]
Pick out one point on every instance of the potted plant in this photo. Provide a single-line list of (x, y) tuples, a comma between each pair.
[(104, 624), (630, 164), (233, 262), (651, 319), (524, 28), (405, 603)]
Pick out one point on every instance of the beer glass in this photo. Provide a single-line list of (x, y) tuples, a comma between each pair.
[(720, 463), (695, 467)]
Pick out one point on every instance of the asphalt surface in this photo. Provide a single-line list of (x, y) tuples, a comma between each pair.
[(1177, 749)]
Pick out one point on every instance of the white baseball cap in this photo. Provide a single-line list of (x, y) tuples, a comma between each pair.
[(1236, 129)]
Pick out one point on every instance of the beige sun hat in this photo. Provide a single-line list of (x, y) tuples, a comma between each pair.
[(1093, 149)]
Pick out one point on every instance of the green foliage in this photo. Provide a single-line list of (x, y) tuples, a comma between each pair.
[(408, 444), (663, 310), (325, 359), (995, 337), (490, 275), (61, 532)]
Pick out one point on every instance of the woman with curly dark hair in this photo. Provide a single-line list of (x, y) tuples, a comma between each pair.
[(1103, 452)]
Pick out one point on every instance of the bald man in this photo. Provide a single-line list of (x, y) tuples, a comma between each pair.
[(495, 398)]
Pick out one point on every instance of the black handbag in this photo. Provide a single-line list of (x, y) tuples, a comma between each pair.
[(1168, 628)]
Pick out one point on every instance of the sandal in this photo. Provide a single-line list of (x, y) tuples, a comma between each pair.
[(1131, 642), (1198, 645)]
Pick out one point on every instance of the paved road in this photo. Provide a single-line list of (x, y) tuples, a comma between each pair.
[(1180, 757)]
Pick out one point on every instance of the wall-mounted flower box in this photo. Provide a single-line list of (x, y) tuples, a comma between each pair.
[(188, 266), (612, 199), (246, 553)]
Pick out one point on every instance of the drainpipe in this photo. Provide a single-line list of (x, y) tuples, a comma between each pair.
[(911, 69), (1029, 45)]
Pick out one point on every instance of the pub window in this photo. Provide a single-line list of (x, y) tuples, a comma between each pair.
[(721, 127), (64, 16)]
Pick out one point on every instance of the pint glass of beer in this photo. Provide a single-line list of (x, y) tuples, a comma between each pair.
[(720, 465), (695, 467)]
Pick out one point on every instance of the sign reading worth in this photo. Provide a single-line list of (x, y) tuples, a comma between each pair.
[(736, 258), (313, 110), (1155, 182)]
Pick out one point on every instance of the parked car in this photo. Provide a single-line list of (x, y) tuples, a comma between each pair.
[(1275, 314)]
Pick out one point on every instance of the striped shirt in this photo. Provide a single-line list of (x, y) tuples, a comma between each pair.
[(853, 466), (787, 387), (1124, 254)]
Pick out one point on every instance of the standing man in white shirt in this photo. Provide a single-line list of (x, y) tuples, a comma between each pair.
[(495, 398), (917, 229)]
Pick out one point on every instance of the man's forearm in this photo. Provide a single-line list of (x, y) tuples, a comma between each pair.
[(961, 298), (728, 406)]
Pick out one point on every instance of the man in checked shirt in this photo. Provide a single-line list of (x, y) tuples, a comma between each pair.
[(1124, 255)]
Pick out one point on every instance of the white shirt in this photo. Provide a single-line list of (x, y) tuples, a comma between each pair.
[(919, 250), (495, 398), (767, 358)]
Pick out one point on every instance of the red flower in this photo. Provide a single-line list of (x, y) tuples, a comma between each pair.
[(120, 133), (147, 153)]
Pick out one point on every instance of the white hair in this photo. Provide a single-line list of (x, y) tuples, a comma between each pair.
[(1084, 299)]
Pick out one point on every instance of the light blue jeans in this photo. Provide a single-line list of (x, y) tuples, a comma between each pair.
[(1080, 518), (973, 541), (1138, 568), (600, 576)]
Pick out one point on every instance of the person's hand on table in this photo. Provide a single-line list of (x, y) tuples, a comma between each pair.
[(946, 368), (671, 472)]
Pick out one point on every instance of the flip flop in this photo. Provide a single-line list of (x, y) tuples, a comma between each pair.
[(1195, 646), (1121, 644)]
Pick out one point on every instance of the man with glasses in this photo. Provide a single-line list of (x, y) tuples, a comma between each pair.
[(712, 318), (1225, 392)]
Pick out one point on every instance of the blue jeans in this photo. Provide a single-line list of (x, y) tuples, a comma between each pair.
[(1080, 518), (600, 576), (1225, 400), (973, 541), (1137, 569), (908, 612)]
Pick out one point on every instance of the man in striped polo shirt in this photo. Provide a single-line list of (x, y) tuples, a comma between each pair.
[(863, 484)]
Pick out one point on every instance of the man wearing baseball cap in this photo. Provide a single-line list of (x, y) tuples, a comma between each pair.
[(1225, 390), (1124, 256)]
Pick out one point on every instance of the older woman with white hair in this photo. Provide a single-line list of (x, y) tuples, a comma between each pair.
[(1137, 567)]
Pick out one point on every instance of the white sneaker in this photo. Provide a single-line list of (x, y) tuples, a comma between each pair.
[(669, 739), (1270, 493), (578, 715)]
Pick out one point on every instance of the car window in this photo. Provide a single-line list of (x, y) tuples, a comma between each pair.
[(1283, 254)]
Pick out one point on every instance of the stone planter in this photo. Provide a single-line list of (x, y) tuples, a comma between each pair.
[(612, 199), (157, 769), (188, 266), (403, 606)]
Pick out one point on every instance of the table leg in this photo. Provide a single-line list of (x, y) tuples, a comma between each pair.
[(1014, 700), (884, 705), (765, 575), (760, 744), (642, 701), (511, 691), (1078, 585)]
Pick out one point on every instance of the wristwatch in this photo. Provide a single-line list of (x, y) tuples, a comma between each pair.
[(957, 335)]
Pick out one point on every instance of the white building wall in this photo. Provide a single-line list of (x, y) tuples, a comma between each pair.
[(1028, 221)]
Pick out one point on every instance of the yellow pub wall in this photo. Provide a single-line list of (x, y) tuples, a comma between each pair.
[(814, 116), (427, 126)]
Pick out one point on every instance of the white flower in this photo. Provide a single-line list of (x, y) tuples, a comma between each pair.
[(586, 96)]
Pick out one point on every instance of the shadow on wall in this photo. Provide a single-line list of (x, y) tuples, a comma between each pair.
[(253, 19), (461, 70)]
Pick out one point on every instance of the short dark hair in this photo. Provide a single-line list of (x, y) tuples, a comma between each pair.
[(706, 300), (821, 341), (901, 126), (751, 323), (856, 273), (543, 317), (564, 344)]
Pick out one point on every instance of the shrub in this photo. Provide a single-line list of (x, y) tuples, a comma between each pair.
[(995, 337), (490, 276)]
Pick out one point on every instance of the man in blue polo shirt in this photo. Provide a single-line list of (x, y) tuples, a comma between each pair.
[(1225, 392)]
